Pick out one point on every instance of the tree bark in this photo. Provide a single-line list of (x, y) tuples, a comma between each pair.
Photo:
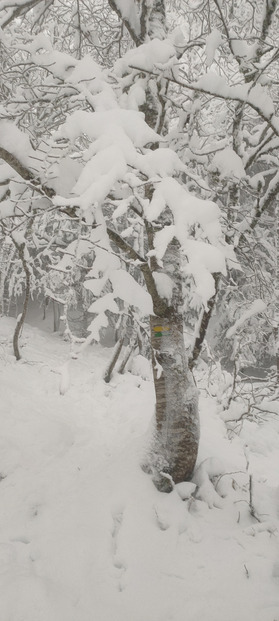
[(175, 446), (56, 315), (129, 350), (177, 426), (116, 354), (206, 316), (176, 440), (21, 318)]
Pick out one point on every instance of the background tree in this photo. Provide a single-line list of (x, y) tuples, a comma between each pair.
[(230, 139)]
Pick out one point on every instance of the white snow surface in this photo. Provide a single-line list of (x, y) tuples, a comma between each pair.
[(228, 164), (116, 135), (84, 533), (16, 142), (187, 209), (148, 56), (164, 285), (257, 96), (213, 40), (124, 287), (127, 289)]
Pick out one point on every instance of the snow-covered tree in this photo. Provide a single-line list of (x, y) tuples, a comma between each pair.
[(134, 150), (140, 218), (230, 137)]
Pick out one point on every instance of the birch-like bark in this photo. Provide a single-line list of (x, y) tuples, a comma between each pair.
[(176, 441)]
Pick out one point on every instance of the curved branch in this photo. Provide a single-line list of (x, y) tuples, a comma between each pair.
[(25, 173), (159, 305), (135, 33), (16, 9)]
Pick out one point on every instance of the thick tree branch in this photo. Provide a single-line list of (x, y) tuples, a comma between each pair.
[(14, 11), (157, 20), (206, 316), (145, 10), (268, 13), (258, 150), (159, 305), (15, 163), (123, 245), (270, 195), (135, 33), (25, 173)]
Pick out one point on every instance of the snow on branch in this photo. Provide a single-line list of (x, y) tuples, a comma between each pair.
[(258, 306), (25, 173), (17, 152), (256, 96), (16, 145), (154, 54), (151, 285), (147, 20), (206, 252), (22, 4), (216, 86), (117, 135), (12, 9), (126, 11), (15, 163), (84, 76)]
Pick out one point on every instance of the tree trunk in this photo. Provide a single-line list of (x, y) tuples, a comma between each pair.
[(174, 450), (116, 354), (56, 315), (129, 350), (21, 317), (177, 425), (176, 440)]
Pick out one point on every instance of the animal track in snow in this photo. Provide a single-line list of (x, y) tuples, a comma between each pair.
[(117, 560)]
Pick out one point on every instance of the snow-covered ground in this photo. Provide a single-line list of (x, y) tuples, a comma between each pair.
[(85, 536)]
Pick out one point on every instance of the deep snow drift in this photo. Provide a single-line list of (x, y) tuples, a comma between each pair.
[(85, 536)]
